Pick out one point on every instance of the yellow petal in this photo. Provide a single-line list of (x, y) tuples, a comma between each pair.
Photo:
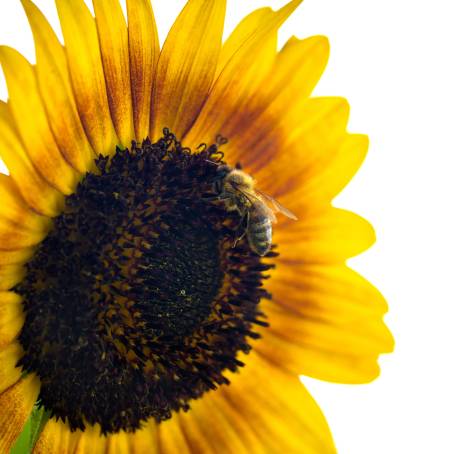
[(292, 78), (325, 322), (113, 40), (19, 226), (87, 76), (310, 179), (49, 439), (187, 65), (295, 72), (119, 444), (234, 430), (223, 435), (32, 124), (11, 317), (171, 438), (312, 154), (91, 441), (145, 440), (279, 409), (323, 365), (9, 373), (244, 31), (18, 256), (371, 337), (263, 410), (10, 276), (334, 290), (10, 298), (194, 434), (323, 184), (239, 79), (14, 236), (56, 438), (143, 57), (13, 208), (328, 236), (38, 194), (300, 142), (56, 92), (16, 404), (298, 67)]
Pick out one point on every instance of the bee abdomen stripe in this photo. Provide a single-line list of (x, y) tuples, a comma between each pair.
[(262, 236), (260, 226)]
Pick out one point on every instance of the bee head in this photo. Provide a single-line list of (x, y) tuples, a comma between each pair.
[(223, 171)]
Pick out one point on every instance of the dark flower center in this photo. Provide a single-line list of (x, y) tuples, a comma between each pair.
[(139, 299)]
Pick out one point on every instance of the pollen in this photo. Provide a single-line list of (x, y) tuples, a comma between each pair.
[(141, 297)]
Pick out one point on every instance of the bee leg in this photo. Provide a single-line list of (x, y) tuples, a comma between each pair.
[(218, 186), (218, 189), (240, 224), (209, 198), (221, 196), (238, 239)]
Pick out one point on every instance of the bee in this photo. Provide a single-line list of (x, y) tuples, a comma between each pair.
[(238, 192)]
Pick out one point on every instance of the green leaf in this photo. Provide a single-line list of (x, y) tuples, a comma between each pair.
[(22, 445), (31, 432), (38, 418)]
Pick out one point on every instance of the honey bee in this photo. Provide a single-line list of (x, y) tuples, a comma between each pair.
[(238, 192)]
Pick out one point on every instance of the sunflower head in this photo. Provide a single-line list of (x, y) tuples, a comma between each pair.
[(137, 291)]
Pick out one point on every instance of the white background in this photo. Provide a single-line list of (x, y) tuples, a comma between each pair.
[(393, 60)]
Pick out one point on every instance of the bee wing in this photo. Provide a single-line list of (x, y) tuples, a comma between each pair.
[(276, 206), (252, 196), (267, 208)]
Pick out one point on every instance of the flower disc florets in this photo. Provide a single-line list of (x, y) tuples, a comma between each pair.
[(137, 301)]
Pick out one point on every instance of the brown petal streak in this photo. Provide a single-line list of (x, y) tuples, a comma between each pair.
[(56, 92), (38, 194), (16, 404), (143, 55), (113, 40), (87, 76), (32, 124), (187, 65), (240, 77)]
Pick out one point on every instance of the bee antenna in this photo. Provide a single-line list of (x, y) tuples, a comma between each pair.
[(213, 162)]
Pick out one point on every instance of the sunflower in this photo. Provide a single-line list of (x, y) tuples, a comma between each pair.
[(145, 306)]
